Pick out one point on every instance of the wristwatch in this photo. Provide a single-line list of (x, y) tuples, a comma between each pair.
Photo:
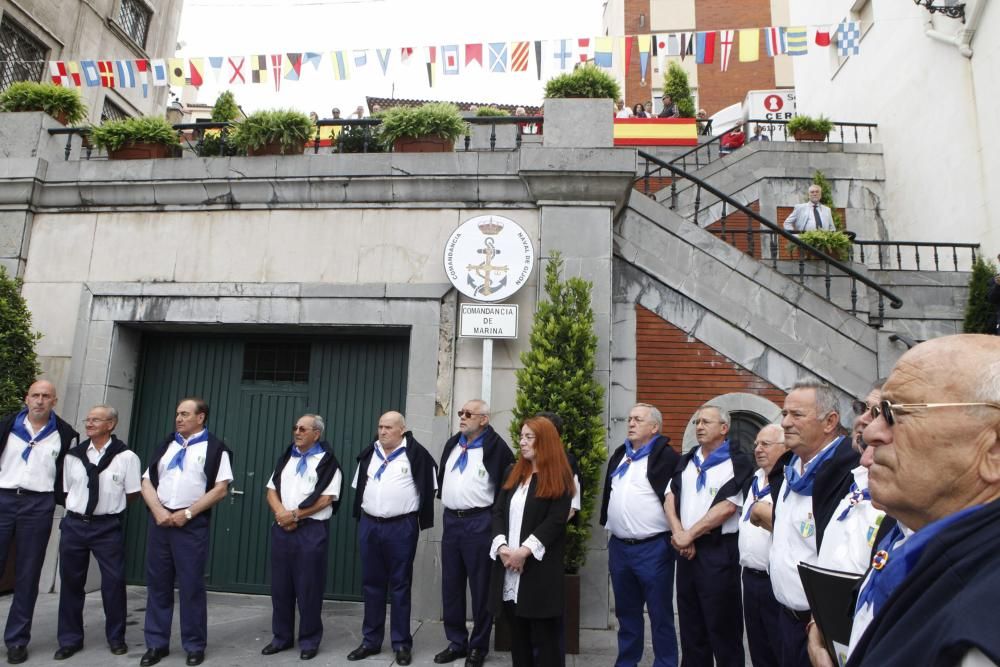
[(188, 515)]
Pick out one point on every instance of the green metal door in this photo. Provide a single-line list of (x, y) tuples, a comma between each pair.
[(257, 386)]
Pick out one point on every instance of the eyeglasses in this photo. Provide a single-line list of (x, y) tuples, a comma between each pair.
[(96, 420), (765, 443), (859, 407), (467, 414), (529, 437), (302, 429), (892, 410)]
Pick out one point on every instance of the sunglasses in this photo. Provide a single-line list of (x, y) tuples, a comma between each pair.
[(301, 429), (892, 410), (467, 414)]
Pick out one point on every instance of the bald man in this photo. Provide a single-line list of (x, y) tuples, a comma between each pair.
[(396, 481), (33, 444), (935, 580)]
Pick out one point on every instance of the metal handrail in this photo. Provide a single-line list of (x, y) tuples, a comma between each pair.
[(804, 248), (838, 126)]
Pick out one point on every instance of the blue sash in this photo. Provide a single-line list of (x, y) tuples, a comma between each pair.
[(178, 460), (300, 467), (20, 430), (386, 461), (632, 455), (463, 458), (803, 484), (720, 455)]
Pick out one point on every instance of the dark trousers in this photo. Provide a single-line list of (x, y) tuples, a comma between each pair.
[(793, 651), (25, 521), (760, 614), (642, 575), (105, 538), (465, 556), (298, 575), (387, 552), (180, 553), (708, 603), (534, 642)]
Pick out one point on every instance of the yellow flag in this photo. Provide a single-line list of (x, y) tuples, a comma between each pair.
[(749, 45), (177, 70)]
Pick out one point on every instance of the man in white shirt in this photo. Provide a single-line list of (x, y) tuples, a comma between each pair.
[(396, 480), (303, 493), (811, 215), (188, 474), (702, 505), (101, 475), (760, 609), (33, 443)]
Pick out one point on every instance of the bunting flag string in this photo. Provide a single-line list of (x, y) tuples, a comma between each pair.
[(457, 59)]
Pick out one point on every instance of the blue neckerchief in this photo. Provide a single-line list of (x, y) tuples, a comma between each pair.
[(758, 493), (386, 461), (890, 566), (463, 458), (21, 431), (300, 468), (720, 455), (178, 460), (803, 484), (857, 495), (633, 455)]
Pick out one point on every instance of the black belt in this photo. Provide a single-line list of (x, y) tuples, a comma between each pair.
[(633, 541), (461, 514), (87, 518), (800, 616), (388, 519), (25, 492), (756, 573)]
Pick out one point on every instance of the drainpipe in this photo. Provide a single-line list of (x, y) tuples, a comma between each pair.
[(962, 39)]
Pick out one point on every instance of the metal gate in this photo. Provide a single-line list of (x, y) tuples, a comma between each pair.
[(256, 387)]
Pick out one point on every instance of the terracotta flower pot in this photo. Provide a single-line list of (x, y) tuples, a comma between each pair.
[(809, 135), (141, 151), (423, 145), (276, 148)]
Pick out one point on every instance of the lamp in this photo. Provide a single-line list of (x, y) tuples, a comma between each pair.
[(953, 9)]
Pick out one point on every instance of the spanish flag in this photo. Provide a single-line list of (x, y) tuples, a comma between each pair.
[(656, 132)]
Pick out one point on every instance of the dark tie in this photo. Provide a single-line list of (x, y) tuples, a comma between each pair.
[(819, 222)]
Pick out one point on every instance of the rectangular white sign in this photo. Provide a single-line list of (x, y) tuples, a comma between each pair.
[(488, 320)]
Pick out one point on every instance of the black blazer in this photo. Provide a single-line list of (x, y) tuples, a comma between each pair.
[(496, 457), (540, 594), (68, 437)]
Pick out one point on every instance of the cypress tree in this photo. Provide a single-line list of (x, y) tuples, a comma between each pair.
[(18, 363), (979, 313)]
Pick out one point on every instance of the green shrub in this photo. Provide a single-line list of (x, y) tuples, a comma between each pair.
[(491, 111), (676, 85), (834, 243), (979, 313), (827, 198), (225, 108), (584, 81), (113, 134), (292, 129), (436, 119), (809, 124), (17, 346), (359, 139), (48, 97)]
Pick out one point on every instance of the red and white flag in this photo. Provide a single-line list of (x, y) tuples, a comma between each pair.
[(474, 54), (726, 47)]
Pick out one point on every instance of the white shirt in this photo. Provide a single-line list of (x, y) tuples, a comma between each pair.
[(295, 488), (755, 542), (847, 544), (181, 488), (393, 494), (469, 489), (39, 472), (635, 511), (121, 477), (512, 580), (695, 504), (574, 504), (864, 616)]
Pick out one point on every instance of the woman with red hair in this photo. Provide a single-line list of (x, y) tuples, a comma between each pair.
[(529, 524)]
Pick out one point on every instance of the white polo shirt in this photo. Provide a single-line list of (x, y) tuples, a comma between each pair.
[(39, 472), (635, 511), (755, 542), (120, 478), (296, 488), (695, 504), (181, 488), (847, 544), (468, 489)]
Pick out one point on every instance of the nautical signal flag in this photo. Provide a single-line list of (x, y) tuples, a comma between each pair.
[(585, 49), (125, 69), (774, 40), (797, 41), (749, 45), (848, 38), (159, 67), (823, 36), (431, 61), (195, 68), (64, 73), (91, 76), (360, 58), (538, 59), (603, 48), (704, 52), (258, 69), (142, 75), (236, 66), (383, 58), (726, 38), (519, 57), (449, 59), (215, 64), (563, 53), (687, 44), (498, 56), (276, 73), (473, 55), (107, 70), (341, 65), (293, 66), (645, 43), (176, 71)]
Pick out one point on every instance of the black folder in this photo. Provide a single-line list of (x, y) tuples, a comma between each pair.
[(832, 595)]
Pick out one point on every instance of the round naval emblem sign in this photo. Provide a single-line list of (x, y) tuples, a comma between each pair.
[(488, 258)]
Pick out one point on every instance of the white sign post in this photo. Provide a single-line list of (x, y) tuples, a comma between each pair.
[(488, 258)]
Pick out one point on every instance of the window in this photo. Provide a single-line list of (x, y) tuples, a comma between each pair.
[(22, 57), (276, 362), (743, 429), (112, 111), (134, 18)]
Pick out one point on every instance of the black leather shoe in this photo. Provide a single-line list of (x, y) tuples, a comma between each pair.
[(153, 656), (66, 652), (308, 654), (195, 658), (403, 656), (118, 648), (271, 649), (448, 655), (17, 654), (362, 652), (476, 658)]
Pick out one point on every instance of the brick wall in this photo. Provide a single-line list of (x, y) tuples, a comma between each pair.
[(635, 92), (678, 373), (718, 89)]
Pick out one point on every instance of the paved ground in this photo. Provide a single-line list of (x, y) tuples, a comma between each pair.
[(239, 627)]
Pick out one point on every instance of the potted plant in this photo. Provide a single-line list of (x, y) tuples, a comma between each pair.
[(138, 138), (273, 132), (430, 128), (63, 104), (579, 109), (834, 243), (807, 128), (587, 81), (225, 110), (491, 111)]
